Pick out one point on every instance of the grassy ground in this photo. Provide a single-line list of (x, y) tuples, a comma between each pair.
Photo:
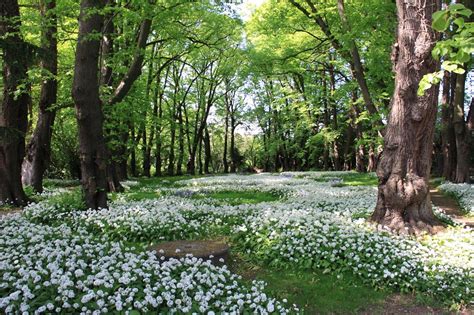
[(351, 179), (314, 290)]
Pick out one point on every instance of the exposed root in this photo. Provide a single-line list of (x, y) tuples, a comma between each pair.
[(397, 224)]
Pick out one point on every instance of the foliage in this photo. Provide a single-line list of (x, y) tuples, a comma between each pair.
[(458, 46)]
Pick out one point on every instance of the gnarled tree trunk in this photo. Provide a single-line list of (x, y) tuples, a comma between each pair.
[(85, 93), (404, 203), (14, 108)]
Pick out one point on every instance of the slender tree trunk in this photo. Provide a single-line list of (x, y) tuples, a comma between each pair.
[(200, 167), (404, 203), (224, 155), (171, 151), (14, 108), (461, 132), (207, 151), (179, 164), (448, 140), (233, 151), (372, 165), (38, 152), (133, 157), (335, 146), (88, 106), (326, 124)]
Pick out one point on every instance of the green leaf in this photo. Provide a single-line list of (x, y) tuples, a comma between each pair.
[(459, 22), (461, 56), (440, 21), (456, 6)]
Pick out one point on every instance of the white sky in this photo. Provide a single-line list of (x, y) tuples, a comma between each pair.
[(247, 7)]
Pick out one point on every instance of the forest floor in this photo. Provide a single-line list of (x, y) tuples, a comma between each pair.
[(317, 291), (450, 206)]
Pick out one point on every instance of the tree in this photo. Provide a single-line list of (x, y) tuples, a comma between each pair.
[(85, 92), (404, 202), (38, 151), (14, 108)]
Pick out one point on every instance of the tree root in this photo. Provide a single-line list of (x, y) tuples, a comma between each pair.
[(398, 225)]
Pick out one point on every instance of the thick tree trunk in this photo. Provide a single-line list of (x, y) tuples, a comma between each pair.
[(461, 132), (38, 152), (14, 108), (89, 115), (404, 203), (448, 140)]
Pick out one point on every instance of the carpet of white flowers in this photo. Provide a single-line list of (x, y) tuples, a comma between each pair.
[(464, 193), (54, 259)]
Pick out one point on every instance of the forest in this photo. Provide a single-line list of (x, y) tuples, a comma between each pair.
[(334, 137)]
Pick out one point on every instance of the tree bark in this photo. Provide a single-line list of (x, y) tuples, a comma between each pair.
[(207, 151), (461, 132), (14, 108), (88, 105), (448, 139), (404, 203), (225, 163), (38, 152), (179, 163)]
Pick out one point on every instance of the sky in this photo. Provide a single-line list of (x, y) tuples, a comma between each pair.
[(247, 7)]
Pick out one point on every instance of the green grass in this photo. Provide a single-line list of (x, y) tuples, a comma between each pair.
[(165, 181), (351, 179), (240, 197), (315, 291)]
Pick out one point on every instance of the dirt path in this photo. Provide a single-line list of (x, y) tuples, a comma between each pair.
[(450, 207)]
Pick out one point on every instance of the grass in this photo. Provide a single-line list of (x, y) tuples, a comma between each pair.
[(351, 179), (240, 197), (315, 291)]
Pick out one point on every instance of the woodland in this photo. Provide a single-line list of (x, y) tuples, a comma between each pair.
[(321, 139)]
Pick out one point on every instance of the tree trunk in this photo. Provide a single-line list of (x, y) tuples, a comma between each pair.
[(88, 106), (224, 155), (38, 152), (179, 163), (335, 146), (133, 156), (404, 203), (171, 151), (233, 151), (372, 164), (461, 132), (14, 108), (448, 140), (207, 151)]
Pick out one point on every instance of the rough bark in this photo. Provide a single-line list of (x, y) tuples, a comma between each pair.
[(404, 203), (88, 105), (38, 152), (14, 108)]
